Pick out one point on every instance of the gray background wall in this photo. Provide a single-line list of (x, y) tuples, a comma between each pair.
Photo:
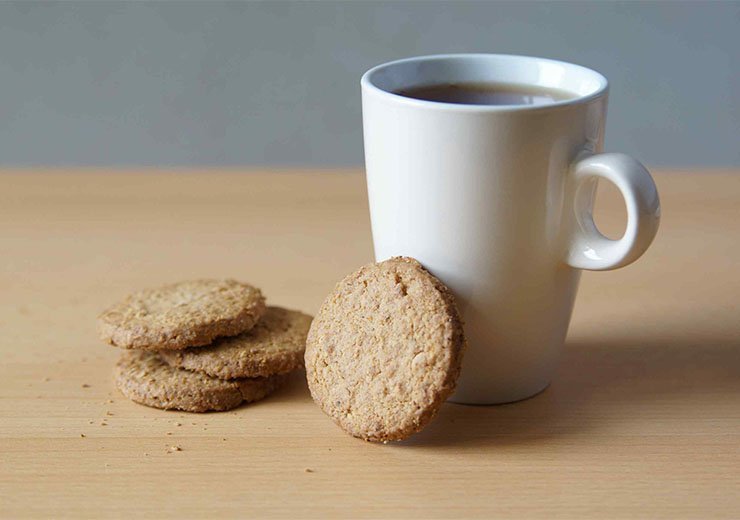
[(259, 83)]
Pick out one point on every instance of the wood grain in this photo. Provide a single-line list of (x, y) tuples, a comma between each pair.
[(642, 421)]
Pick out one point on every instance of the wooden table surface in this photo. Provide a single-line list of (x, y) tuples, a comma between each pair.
[(642, 420)]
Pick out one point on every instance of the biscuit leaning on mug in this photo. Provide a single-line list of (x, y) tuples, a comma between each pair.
[(384, 351)]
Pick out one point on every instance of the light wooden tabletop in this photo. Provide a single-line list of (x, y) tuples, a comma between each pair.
[(642, 420)]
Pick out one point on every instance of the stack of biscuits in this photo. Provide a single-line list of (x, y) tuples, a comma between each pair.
[(203, 345)]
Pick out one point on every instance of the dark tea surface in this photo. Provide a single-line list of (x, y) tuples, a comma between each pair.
[(487, 94)]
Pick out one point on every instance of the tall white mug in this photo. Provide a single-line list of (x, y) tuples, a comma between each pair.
[(496, 201)]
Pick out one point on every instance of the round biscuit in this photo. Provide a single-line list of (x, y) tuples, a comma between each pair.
[(145, 378), (181, 315), (384, 351), (275, 345)]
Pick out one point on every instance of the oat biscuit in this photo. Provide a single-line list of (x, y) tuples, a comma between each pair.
[(145, 378), (275, 345), (181, 315), (385, 349)]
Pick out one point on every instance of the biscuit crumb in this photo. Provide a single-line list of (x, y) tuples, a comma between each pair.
[(83, 435), (168, 433), (173, 449), (109, 413), (85, 385), (223, 438), (308, 470), (110, 401), (178, 424), (90, 422)]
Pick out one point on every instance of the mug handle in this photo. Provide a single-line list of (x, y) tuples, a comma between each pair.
[(587, 248)]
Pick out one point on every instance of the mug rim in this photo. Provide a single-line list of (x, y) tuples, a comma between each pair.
[(368, 85)]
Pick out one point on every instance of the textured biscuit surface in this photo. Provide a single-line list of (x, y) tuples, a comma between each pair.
[(275, 345), (385, 349), (144, 377), (181, 315)]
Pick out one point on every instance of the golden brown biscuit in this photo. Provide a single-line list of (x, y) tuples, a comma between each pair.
[(385, 349), (181, 315), (274, 346), (145, 378)]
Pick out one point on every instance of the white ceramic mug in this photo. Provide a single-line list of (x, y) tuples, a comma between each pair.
[(497, 202)]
